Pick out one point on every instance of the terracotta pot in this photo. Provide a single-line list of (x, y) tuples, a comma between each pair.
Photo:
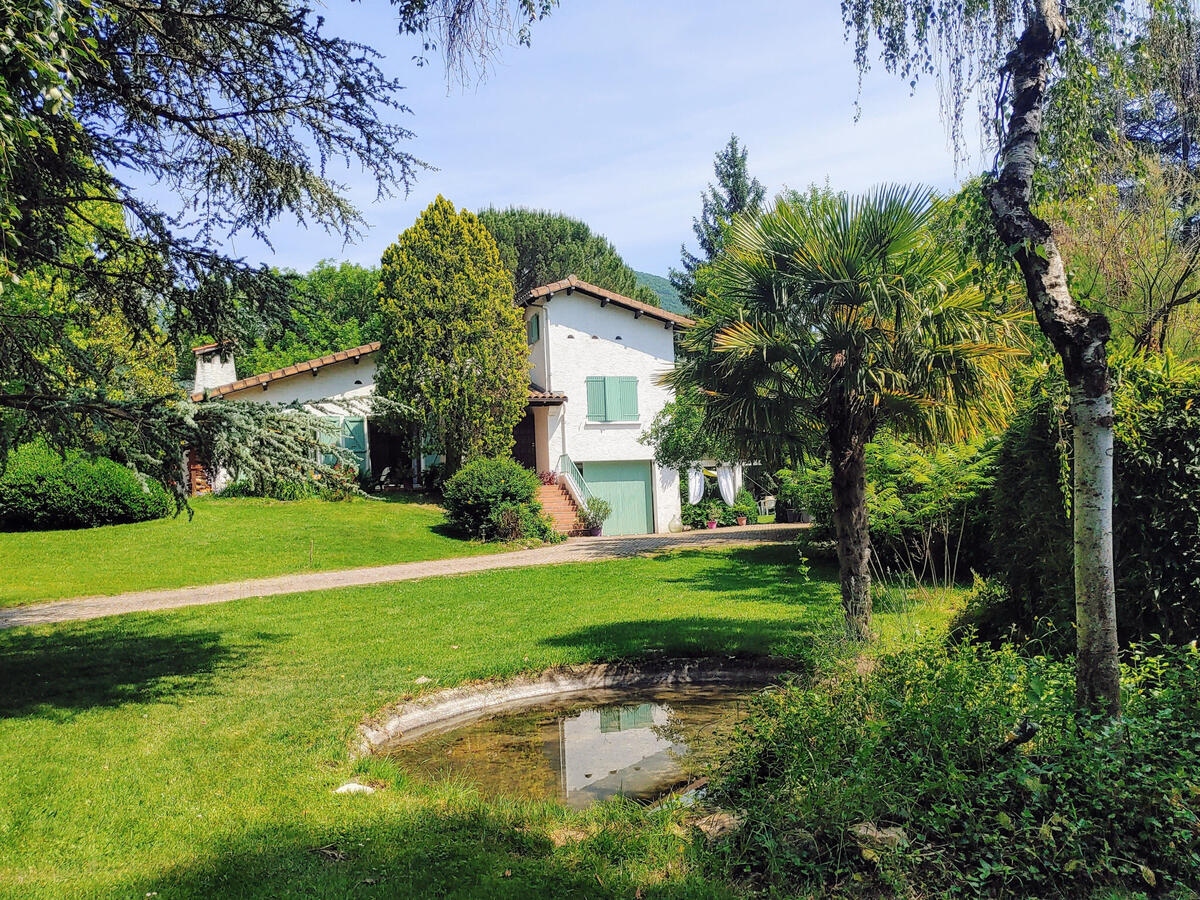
[(596, 532), (741, 520), (711, 524)]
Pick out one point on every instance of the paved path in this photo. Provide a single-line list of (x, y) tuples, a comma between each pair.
[(572, 551)]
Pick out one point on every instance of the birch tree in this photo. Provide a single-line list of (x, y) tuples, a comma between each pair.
[(1055, 111)]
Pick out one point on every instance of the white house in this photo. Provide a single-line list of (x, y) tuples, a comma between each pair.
[(595, 358)]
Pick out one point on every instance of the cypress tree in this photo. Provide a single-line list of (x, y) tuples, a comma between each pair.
[(454, 355)]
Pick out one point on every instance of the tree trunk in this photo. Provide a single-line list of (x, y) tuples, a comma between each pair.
[(1097, 671), (851, 525), (1079, 337)]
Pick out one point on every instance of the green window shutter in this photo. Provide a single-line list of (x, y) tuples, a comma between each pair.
[(533, 329), (596, 399), (627, 388), (612, 399), (329, 431), (354, 439)]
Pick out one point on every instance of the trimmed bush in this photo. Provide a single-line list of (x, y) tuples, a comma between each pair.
[(41, 490), (478, 491)]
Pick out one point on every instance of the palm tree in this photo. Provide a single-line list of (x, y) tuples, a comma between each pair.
[(830, 316)]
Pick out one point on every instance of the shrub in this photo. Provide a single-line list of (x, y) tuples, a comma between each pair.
[(339, 482), (924, 744), (480, 488), (744, 505), (41, 489), (1156, 509), (595, 512), (806, 489), (520, 522)]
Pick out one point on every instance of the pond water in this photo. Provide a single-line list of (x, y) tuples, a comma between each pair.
[(637, 744)]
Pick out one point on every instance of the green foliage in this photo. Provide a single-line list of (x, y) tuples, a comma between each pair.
[(520, 522), (1030, 537), (745, 507), (929, 505), (712, 508), (1156, 516), (595, 512), (807, 489), (540, 247), (681, 438), (777, 324), (486, 499), (1156, 512), (235, 114), (333, 307), (734, 193), (339, 482), (668, 297), (454, 348), (40, 489), (923, 743)]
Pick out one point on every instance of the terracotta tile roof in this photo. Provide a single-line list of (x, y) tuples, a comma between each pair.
[(571, 283), (204, 348), (538, 397), (536, 394), (287, 371)]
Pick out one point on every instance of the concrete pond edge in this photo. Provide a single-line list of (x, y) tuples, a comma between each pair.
[(447, 709)]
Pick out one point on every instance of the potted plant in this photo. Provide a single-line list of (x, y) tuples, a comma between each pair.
[(744, 507), (713, 515), (594, 512)]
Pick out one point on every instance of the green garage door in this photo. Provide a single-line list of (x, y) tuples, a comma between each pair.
[(627, 486)]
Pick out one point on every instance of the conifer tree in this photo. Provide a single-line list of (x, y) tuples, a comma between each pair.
[(454, 347), (734, 192)]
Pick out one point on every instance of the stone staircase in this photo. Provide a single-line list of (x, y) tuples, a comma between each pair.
[(558, 505)]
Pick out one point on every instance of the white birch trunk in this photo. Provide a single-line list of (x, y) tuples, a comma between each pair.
[(1097, 675)]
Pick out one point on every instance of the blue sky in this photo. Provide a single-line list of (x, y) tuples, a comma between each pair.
[(614, 114)]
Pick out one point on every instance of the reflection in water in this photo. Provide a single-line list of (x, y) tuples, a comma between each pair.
[(581, 751)]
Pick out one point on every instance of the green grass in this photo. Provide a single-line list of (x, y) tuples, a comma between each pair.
[(193, 753), (226, 540)]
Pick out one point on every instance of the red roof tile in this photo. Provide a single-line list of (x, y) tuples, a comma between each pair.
[(536, 394), (266, 377), (571, 284)]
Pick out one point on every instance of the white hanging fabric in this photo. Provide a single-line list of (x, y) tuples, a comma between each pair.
[(695, 485), (727, 482)]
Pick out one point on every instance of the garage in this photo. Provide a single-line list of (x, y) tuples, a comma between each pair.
[(628, 486)]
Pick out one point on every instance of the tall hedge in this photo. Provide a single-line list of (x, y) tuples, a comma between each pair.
[(40, 490), (1156, 510)]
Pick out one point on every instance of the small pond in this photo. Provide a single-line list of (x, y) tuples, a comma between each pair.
[(579, 750)]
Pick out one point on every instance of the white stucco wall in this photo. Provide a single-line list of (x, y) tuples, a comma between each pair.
[(341, 380), (584, 339), (538, 365), (213, 371)]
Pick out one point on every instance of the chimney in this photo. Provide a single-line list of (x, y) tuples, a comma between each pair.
[(214, 366)]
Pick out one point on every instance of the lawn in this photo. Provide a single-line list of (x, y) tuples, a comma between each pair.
[(226, 540), (193, 753)]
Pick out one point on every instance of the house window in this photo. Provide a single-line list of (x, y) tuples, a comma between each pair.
[(612, 398), (533, 329)]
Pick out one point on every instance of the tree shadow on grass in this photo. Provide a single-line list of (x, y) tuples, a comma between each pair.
[(449, 853), (791, 640), (69, 670), (770, 573)]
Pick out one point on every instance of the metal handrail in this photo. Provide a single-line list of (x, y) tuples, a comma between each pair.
[(575, 482)]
